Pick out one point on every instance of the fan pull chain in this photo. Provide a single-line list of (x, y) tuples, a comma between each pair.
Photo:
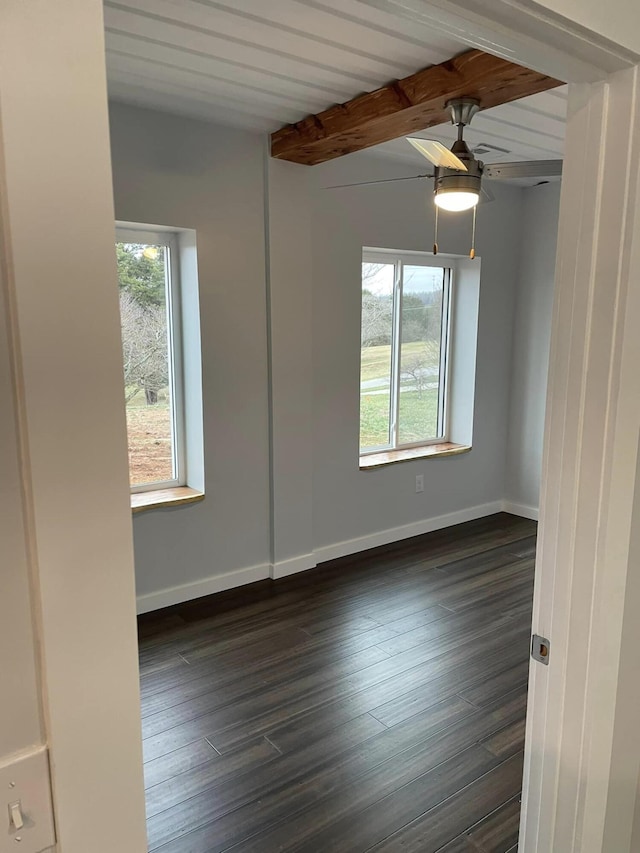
[(472, 253), (435, 236)]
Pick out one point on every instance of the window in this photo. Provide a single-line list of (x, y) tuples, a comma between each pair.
[(148, 278), (406, 302)]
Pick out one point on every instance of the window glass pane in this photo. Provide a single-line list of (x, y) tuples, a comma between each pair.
[(143, 272), (375, 356), (421, 334)]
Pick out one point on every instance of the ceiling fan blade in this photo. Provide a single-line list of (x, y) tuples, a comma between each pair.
[(437, 153), (382, 181), (524, 169)]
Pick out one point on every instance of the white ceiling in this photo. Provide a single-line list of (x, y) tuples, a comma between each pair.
[(259, 64)]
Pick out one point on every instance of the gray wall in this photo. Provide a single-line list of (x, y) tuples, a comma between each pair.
[(349, 503), (531, 338), (299, 420), (173, 171)]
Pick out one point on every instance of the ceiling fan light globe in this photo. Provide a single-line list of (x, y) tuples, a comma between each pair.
[(456, 200)]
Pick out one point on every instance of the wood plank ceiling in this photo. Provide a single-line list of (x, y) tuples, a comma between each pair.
[(259, 65)]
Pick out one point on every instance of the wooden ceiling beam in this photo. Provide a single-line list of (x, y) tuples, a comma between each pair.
[(406, 107)]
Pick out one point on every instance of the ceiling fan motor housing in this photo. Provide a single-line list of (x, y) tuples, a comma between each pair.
[(453, 180)]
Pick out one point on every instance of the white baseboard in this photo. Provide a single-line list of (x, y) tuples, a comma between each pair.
[(405, 531), (304, 562), (196, 589), (520, 509), (293, 565)]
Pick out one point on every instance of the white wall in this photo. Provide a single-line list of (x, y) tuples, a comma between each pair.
[(531, 338), (174, 171)]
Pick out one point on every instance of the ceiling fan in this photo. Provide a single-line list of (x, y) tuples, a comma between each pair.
[(458, 174)]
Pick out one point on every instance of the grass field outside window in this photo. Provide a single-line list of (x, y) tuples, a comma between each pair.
[(404, 336)]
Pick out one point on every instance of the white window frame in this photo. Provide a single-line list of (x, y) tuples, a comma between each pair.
[(399, 259), (169, 239)]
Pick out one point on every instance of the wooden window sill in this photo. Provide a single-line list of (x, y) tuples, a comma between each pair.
[(390, 457), (141, 501)]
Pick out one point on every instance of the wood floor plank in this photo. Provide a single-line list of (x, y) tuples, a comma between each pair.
[(180, 761), (341, 746), (366, 658), (439, 825), (230, 648), (498, 832), (441, 588), (375, 703), (467, 543), (474, 564), (525, 547), (417, 619), (520, 611), (452, 623), (371, 686), (303, 730), (491, 660), (490, 689), (461, 844), (171, 688), (434, 690), (207, 775), (258, 645), (244, 700), (404, 751), (266, 669), (507, 741), (217, 712), (493, 586), (468, 550), (379, 806)]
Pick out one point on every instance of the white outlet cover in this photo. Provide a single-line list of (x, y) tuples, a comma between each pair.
[(25, 778)]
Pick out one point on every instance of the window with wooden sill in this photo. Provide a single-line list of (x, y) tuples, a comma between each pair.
[(417, 358), (157, 280)]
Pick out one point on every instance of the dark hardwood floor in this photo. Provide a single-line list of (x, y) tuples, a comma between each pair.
[(374, 703)]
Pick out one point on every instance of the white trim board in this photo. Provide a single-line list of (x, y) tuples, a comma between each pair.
[(520, 509), (197, 589), (293, 565), (304, 562), (405, 531)]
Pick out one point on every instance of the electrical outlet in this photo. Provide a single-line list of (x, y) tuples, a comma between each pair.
[(419, 483)]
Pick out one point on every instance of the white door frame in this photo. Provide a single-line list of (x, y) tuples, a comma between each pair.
[(582, 764), (59, 275), (580, 791), (525, 32)]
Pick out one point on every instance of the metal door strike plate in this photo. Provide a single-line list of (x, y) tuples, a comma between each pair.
[(540, 647)]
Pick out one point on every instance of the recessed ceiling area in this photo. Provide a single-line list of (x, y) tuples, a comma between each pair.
[(259, 65)]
